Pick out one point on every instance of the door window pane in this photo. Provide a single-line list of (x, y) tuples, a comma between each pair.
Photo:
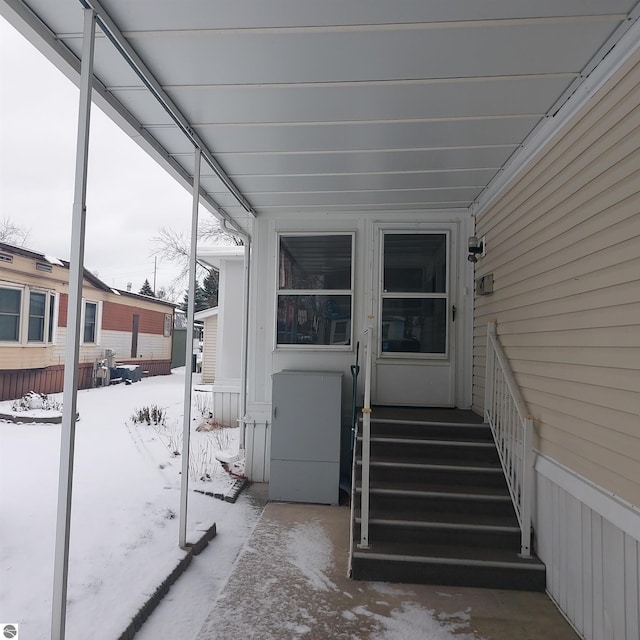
[(415, 263), (37, 305), (314, 319), (10, 302), (414, 325)]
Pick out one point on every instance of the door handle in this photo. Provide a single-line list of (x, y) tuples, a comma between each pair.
[(453, 313)]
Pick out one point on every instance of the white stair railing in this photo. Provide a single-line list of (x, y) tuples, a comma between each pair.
[(366, 445), (512, 429)]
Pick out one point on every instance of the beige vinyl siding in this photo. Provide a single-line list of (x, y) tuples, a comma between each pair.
[(563, 245), (209, 346)]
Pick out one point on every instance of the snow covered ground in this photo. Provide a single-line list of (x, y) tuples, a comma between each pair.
[(270, 576), (124, 532)]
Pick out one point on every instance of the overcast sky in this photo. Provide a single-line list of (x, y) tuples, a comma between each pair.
[(129, 197)]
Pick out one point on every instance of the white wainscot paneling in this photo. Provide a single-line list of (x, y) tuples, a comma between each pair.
[(226, 404), (590, 543), (257, 448)]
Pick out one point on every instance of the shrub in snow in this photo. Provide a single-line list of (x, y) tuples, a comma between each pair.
[(33, 400), (202, 404), (149, 415)]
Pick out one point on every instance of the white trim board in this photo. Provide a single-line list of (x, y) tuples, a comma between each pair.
[(618, 512)]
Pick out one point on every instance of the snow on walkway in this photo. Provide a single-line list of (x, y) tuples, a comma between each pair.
[(124, 529), (290, 583)]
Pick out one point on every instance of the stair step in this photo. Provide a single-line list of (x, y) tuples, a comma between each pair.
[(398, 500), (430, 450), (442, 532), (473, 492), (411, 472), (447, 519), (448, 565), (424, 429)]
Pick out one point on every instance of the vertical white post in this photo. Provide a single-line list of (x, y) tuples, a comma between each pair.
[(527, 487), (489, 379), (186, 425), (72, 349), (366, 447)]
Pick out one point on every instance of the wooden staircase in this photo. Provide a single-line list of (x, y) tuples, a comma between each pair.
[(440, 510)]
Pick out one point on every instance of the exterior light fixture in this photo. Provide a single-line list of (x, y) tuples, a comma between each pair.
[(476, 248)]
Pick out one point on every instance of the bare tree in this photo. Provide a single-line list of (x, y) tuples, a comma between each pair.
[(12, 233), (173, 246)]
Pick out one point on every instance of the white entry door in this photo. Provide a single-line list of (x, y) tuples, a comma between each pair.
[(415, 360)]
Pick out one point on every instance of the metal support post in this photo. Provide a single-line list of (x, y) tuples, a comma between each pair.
[(245, 340), (72, 349), (186, 426), (527, 488), (366, 444)]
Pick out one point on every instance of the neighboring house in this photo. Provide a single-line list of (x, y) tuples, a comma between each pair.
[(223, 332), (209, 319), (365, 143), (33, 323)]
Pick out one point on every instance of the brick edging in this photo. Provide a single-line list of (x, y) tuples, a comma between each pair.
[(147, 609)]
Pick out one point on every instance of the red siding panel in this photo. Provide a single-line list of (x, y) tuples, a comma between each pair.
[(62, 310), (119, 317)]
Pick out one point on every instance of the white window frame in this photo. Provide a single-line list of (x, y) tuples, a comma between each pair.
[(51, 301), (313, 292)]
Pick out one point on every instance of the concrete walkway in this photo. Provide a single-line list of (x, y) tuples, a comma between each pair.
[(291, 582)]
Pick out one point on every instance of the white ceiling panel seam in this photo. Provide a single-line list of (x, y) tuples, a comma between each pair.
[(363, 173), (389, 26), (354, 150), (379, 83)]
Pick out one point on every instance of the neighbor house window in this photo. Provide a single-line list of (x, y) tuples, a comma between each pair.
[(27, 315), (10, 306), (37, 315), (315, 290), (90, 321)]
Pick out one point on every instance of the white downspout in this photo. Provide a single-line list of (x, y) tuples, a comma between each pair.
[(72, 348)]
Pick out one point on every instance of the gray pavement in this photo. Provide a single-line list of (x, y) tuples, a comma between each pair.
[(291, 582)]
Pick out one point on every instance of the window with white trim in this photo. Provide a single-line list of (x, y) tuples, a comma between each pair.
[(315, 290), (27, 315)]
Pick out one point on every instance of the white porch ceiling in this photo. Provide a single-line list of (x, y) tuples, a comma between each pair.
[(340, 105)]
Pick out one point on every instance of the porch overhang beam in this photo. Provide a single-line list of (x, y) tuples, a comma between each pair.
[(117, 38)]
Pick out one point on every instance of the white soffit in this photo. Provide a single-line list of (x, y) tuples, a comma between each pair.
[(335, 105)]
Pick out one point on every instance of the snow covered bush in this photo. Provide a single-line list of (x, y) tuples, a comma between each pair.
[(150, 415), (33, 400)]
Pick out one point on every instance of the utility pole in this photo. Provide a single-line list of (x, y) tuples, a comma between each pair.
[(155, 270)]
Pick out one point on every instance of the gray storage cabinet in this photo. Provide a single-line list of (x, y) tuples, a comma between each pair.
[(305, 436)]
